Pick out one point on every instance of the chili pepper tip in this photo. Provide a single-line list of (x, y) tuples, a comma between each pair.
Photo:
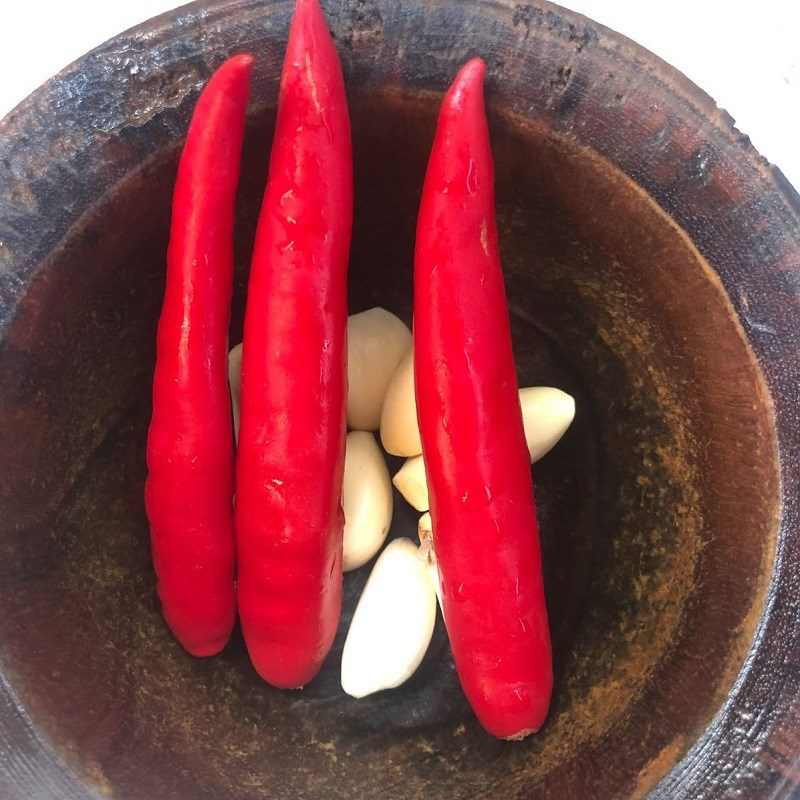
[(235, 72), (468, 84), (243, 60), (473, 70), (307, 9), (308, 34)]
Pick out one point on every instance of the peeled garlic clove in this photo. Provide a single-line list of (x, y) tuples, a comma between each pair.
[(411, 482), (366, 499), (235, 384), (376, 343), (425, 534), (425, 529), (428, 554), (399, 429), (392, 624), (547, 412)]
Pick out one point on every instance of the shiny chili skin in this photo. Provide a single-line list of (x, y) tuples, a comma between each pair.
[(477, 463), (189, 488), (290, 456)]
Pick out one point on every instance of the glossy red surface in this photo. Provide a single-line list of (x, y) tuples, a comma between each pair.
[(484, 518), (652, 266), (189, 487), (291, 442)]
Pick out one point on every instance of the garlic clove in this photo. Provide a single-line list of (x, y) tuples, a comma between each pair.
[(392, 625), (376, 343), (547, 412), (411, 482), (399, 429), (235, 385), (428, 554), (425, 530), (366, 499)]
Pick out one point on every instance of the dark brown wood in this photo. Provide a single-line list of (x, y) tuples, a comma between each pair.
[(652, 262)]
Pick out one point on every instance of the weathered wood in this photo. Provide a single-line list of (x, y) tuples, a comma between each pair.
[(653, 270)]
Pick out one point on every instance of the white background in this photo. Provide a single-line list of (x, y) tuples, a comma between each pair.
[(745, 55)]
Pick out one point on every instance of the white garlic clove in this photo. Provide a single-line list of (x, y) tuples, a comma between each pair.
[(547, 412), (366, 499), (428, 554), (376, 343), (425, 529), (235, 385), (411, 482), (399, 428), (392, 625)]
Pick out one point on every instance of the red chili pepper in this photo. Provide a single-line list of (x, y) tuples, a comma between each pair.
[(189, 489), (290, 458), (478, 466)]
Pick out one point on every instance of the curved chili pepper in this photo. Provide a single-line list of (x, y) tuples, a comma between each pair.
[(189, 488), (482, 506), (290, 458)]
